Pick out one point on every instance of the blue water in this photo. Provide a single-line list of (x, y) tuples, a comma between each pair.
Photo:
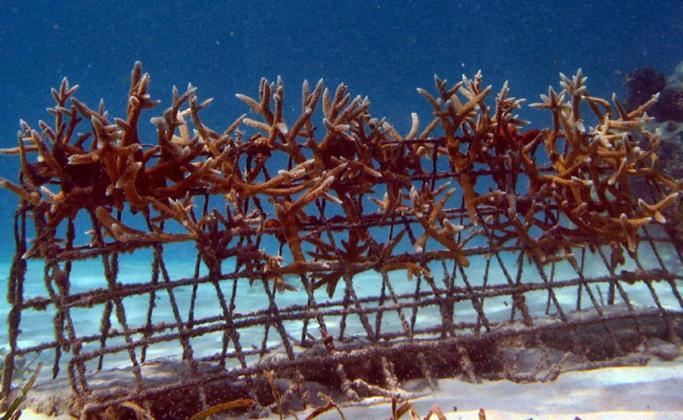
[(383, 49)]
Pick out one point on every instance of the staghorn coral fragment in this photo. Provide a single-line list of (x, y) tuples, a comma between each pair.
[(555, 103), (46, 155), (31, 197), (445, 235), (655, 210), (411, 268), (17, 150), (124, 234), (630, 227), (127, 184), (115, 228)]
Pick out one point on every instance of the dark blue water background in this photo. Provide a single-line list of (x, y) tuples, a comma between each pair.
[(383, 49)]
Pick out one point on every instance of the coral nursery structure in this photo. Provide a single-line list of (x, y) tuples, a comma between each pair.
[(291, 206)]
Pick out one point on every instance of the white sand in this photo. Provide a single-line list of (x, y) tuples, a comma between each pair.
[(652, 391)]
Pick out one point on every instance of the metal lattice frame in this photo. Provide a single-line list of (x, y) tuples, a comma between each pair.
[(436, 260)]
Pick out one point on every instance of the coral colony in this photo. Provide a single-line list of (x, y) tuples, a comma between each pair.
[(467, 181)]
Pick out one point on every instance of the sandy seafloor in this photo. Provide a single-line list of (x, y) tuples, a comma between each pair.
[(624, 392), (649, 392)]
